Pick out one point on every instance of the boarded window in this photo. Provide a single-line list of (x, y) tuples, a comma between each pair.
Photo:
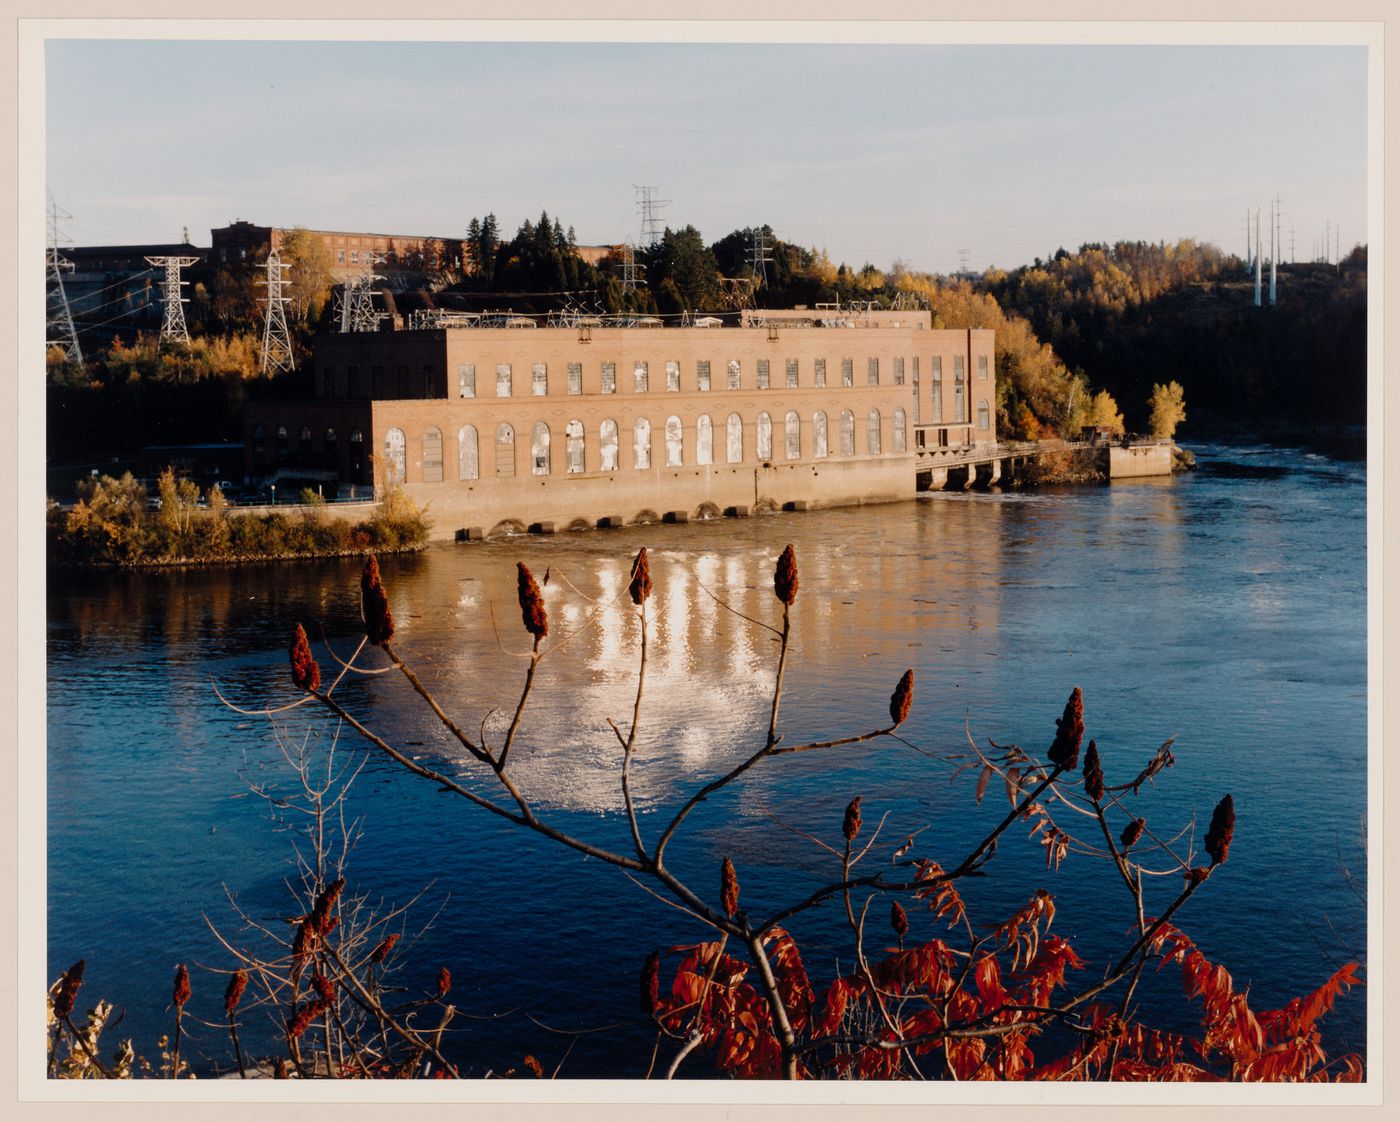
[(505, 452), (673, 376), (607, 442), (639, 377), (959, 393), (984, 415), (899, 370), (576, 377), (897, 438), (734, 439), (466, 380), (641, 443), (394, 445), (764, 437), (467, 461), (792, 436), (981, 368), (539, 379), (819, 435), (432, 456), (733, 374), (704, 439), (819, 372), (872, 433), (702, 375), (573, 447), (936, 374), (673, 442), (610, 377), (872, 371), (848, 433), (539, 449), (763, 373), (503, 379), (792, 373), (848, 372)]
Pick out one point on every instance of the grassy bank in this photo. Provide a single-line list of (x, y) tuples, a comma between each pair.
[(113, 525)]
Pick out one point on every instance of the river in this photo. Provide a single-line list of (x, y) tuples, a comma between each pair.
[(1225, 608)]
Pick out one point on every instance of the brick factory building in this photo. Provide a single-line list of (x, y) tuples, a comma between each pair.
[(504, 427)]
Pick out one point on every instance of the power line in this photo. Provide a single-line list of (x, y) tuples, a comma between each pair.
[(277, 340), (650, 208), (60, 330), (173, 326)]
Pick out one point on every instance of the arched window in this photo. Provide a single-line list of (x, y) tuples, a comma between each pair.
[(792, 433), (984, 415), (394, 444), (704, 439), (329, 453), (330, 436), (959, 397), (505, 452), (607, 441), (819, 435), (306, 438), (573, 447), (641, 443), (872, 433), (432, 456), (539, 449), (734, 439), (468, 466), (259, 437), (764, 430), (281, 441), (673, 442), (897, 431), (848, 433)]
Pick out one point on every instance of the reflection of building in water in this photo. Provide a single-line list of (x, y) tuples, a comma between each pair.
[(495, 426)]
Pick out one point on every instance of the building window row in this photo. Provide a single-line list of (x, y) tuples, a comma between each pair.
[(672, 450), (539, 380)]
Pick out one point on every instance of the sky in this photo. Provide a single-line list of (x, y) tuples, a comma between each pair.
[(934, 155)]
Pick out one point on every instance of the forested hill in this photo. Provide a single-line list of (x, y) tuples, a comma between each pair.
[(1134, 314)]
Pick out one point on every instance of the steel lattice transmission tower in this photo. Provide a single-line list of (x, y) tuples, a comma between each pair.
[(631, 271), (277, 339), (649, 206), (173, 326), (357, 303), (758, 255), (60, 331)]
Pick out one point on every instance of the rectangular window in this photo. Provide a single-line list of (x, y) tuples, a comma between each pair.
[(936, 373), (981, 368), (352, 379), (763, 373), (354, 257), (639, 375), (819, 372), (702, 375), (610, 377), (872, 371), (340, 257), (899, 371), (503, 379), (576, 377), (673, 376), (466, 380), (539, 379), (848, 372), (328, 382), (733, 374), (792, 373)]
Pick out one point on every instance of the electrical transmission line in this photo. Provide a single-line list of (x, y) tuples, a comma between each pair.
[(173, 326), (631, 271), (60, 331), (357, 303), (649, 206), (277, 340)]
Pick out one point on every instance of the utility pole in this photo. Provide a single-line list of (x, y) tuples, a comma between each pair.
[(1248, 243), (1258, 263), (173, 326), (1273, 250), (60, 331), (277, 340)]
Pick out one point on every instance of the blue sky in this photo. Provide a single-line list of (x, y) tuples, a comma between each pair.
[(872, 152)]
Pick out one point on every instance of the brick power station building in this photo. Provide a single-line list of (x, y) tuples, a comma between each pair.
[(509, 426)]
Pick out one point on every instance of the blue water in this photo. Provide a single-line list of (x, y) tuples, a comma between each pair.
[(1225, 608)]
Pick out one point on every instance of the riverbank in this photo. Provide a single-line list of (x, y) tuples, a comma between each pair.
[(114, 525)]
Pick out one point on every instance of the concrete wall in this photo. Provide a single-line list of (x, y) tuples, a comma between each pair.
[(1139, 460), (579, 501)]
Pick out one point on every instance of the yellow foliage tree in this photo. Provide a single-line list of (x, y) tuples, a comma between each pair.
[(1166, 410), (1104, 414)]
